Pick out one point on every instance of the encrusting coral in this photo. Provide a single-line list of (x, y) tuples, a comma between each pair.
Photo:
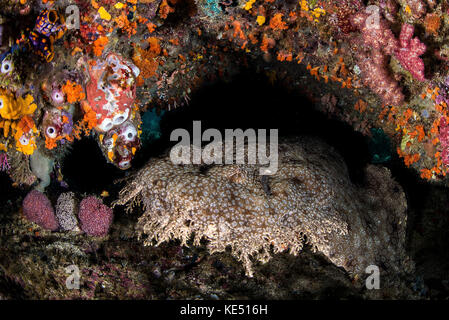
[(309, 200)]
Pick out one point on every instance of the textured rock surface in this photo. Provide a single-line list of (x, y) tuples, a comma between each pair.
[(309, 200)]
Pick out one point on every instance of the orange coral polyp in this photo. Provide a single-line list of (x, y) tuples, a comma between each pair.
[(73, 91), (99, 45), (276, 22)]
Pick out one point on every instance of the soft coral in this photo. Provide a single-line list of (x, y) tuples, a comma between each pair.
[(409, 51)]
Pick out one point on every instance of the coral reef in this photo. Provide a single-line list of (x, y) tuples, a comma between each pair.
[(127, 58), (309, 200), (111, 72)]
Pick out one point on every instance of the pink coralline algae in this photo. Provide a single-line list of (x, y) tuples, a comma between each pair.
[(95, 217), (37, 208), (444, 140), (409, 51)]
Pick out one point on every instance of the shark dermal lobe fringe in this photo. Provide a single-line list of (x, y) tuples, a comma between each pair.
[(310, 200)]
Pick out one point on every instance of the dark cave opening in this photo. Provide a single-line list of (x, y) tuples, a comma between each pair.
[(85, 169), (250, 101)]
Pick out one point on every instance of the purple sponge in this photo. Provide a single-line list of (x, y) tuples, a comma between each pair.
[(37, 208), (95, 217)]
